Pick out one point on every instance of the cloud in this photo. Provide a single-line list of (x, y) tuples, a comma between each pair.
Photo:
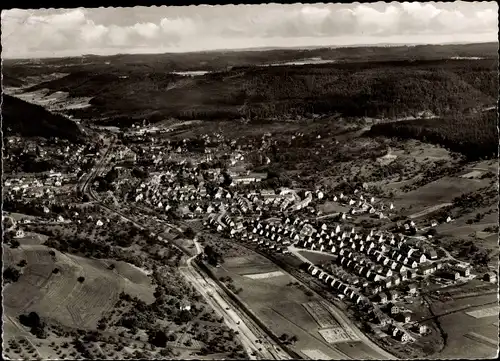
[(76, 31)]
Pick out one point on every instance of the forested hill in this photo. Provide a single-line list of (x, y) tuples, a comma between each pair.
[(392, 89), (25, 119), (474, 135), (376, 89)]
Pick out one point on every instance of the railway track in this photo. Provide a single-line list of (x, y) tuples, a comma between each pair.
[(86, 189)]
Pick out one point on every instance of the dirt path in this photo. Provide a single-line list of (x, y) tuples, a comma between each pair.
[(430, 210)]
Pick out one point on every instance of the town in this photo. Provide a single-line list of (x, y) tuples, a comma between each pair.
[(251, 182), (384, 270)]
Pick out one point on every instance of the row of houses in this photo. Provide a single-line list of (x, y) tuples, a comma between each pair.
[(338, 285)]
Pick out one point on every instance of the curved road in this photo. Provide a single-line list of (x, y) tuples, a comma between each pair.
[(208, 289), (212, 294), (344, 320)]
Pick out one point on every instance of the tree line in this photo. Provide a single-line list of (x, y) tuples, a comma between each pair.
[(474, 135)]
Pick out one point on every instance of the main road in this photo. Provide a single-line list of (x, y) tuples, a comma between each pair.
[(340, 316), (253, 339), (215, 297)]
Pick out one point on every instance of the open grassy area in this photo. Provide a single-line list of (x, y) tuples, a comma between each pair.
[(317, 258), (459, 326), (281, 303), (443, 190), (58, 295)]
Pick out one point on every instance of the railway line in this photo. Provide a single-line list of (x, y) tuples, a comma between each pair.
[(216, 298)]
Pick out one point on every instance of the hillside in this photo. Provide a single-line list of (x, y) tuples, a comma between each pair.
[(474, 135), (59, 296), (221, 59), (25, 119), (375, 89)]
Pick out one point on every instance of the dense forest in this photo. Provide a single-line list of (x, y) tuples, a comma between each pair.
[(377, 89), (22, 118), (474, 135)]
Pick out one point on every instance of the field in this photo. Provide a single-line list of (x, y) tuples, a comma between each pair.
[(473, 174), (323, 318), (60, 296), (430, 209), (257, 276), (315, 354), (248, 265), (469, 336), (484, 312), (335, 334), (31, 238), (316, 257), (285, 307), (332, 207), (443, 190)]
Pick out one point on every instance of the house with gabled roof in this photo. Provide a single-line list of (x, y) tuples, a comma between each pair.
[(427, 269), (392, 295), (464, 271), (382, 297)]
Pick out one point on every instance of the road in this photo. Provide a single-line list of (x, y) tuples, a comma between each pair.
[(343, 319), (97, 167), (207, 287), (214, 295), (296, 253), (211, 292), (431, 209)]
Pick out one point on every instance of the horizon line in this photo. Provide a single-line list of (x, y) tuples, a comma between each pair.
[(261, 48)]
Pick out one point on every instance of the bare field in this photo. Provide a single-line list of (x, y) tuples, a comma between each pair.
[(423, 152), (262, 297), (455, 229), (484, 312), (335, 335), (332, 207), (31, 238), (280, 324), (297, 314), (249, 265), (357, 350), (258, 276), (314, 354), (252, 259), (60, 296), (131, 272)]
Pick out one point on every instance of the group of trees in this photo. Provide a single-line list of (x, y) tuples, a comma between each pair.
[(11, 274), (26, 119), (33, 321), (478, 199), (474, 135), (357, 89), (287, 339), (213, 257), (470, 251), (393, 90)]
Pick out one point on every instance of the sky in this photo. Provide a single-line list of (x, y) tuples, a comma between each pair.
[(41, 33)]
